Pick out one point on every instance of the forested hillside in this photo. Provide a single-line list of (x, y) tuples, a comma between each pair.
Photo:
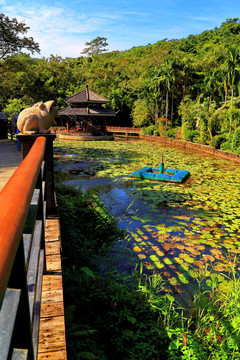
[(194, 83)]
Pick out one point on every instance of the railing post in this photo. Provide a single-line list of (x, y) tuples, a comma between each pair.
[(26, 143), (22, 259), (22, 336)]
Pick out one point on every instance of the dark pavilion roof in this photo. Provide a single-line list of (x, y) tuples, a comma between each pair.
[(86, 103), (86, 96), (86, 111)]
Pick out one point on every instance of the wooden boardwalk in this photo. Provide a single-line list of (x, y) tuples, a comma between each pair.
[(52, 340), (10, 158)]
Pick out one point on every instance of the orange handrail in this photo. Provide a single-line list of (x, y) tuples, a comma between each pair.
[(15, 199)]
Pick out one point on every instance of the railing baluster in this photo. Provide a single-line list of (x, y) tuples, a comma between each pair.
[(7, 320), (21, 257)]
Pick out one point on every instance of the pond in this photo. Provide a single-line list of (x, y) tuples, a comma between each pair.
[(177, 230)]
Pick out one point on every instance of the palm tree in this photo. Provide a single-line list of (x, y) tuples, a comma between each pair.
[(208, 84), (165, 78), (232, 68)]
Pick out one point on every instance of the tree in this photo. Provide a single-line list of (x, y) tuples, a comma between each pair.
[(166, 77), (96, 46), (141, 114), (232, 68), (10, 37)]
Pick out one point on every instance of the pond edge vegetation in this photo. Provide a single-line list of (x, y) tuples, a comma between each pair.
[(120, 316), (175, 143)]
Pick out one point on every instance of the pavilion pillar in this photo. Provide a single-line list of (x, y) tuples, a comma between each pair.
[(87, 125), (104, 124)]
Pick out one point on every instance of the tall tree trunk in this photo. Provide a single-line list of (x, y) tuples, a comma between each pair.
[(172, 108), (225, 96), (156, 111), (166, 114), (232, 97), (184, 90), (232, 91)]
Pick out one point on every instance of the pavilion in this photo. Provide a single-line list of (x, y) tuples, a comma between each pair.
[(87, 110)]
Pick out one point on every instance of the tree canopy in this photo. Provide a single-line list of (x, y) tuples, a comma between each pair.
[(186, 81), (11, 40), (96, 46)]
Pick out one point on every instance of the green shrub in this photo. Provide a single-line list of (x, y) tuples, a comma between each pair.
[(122, 321), (105, 317), (218, 140), (86, 223), (150, 130), (171, 132), (141, 114), (188, 134), (236, 139), (227, 145), (156, 132), (112, 315)]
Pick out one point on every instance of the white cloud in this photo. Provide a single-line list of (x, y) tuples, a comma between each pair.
[(63, 28), (59, 30)]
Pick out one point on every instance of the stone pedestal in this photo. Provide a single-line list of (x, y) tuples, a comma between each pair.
[(26, 143)]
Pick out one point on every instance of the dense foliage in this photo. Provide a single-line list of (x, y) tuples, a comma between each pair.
[(104, 318), (117, 316), (11, 39), (193, 82)]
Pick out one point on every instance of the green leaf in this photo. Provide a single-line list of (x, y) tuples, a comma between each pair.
[(88, 272)]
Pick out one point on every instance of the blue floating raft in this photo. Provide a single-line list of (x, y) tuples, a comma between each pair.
[(171, 175)]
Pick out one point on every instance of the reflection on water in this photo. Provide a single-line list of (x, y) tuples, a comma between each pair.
[(175, 230), (154, 237)]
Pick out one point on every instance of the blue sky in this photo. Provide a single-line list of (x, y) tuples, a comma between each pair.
[(62, 27)]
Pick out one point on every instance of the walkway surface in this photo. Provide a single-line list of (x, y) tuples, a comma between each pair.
[(10, 158), (52, 341)]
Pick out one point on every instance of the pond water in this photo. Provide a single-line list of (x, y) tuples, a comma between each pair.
[(177, 230)]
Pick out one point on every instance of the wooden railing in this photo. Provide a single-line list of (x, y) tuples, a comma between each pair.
[(122, 129), (22, 219)]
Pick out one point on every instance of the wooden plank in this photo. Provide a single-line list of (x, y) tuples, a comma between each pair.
[(52, 329), (52, 281), (52, 309), (32, 214), (37, 307), (52, 297), (33, 266), (54, 263), (27, 242), (35, 197), (10, 158), (52, 247), (7, 320), (52, 235), (53, 221), (53, 355), (52, 340), (52, 227), (20, 354)]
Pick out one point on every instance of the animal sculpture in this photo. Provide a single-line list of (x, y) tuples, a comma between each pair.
[(38, 118)]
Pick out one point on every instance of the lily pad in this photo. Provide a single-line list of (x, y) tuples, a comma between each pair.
[(137, 249), (183, 278), (167, 261), (186, 258), (173, 281), (208, 258)]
